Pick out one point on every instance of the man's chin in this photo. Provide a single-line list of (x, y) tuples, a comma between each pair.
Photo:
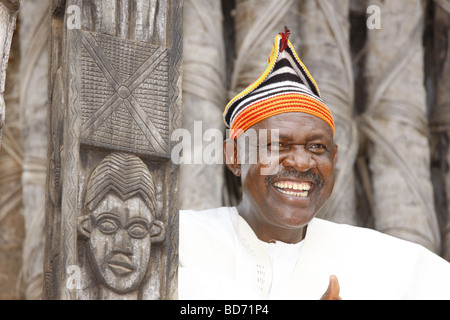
[(296, 220)]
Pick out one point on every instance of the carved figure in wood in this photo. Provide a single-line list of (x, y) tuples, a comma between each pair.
[(120, 224), (115, 95)]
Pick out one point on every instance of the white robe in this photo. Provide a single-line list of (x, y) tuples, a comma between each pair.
[(220, 257)]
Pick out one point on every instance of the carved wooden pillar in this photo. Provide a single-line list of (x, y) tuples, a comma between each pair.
[(34, 30), (440, 117), (115, 98), (325, 49), (395, 122), (8, 15), (12, 229), (204, 98)]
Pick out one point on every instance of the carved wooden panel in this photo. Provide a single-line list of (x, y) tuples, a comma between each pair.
[(115, 99), (124, 94)]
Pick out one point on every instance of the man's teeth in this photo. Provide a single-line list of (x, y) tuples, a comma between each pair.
[(293, 188), (295, 194)]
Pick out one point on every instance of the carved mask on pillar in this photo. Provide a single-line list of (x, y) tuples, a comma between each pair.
[(119, 223)]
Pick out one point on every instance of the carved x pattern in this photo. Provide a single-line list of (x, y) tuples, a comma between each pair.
[(123, 93)]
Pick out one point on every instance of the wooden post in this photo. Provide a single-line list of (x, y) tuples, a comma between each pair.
[(325, 49), (395, 122), (11, 218), (8, 16), (115, 99), (204, 98), (440, 117)]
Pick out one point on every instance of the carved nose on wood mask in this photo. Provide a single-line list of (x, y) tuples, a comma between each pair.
[(123, 92), (122, 242)]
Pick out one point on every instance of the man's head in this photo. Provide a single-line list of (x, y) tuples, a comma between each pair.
[(120, 222), (287, 185)]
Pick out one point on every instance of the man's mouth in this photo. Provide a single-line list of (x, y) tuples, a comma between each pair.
[(294, 189)]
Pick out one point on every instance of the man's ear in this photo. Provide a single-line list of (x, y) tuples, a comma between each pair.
[(84, 226), (157, 231), (231, 157), (335, 155)]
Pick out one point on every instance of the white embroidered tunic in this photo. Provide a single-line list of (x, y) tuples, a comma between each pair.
[(220, 257)]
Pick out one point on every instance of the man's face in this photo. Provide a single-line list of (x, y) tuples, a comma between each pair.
[(302, 161), (120, 241)]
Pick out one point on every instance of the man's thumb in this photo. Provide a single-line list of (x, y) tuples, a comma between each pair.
[(332, 292)]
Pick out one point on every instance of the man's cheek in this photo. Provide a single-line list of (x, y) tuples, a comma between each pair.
[(269, 165)]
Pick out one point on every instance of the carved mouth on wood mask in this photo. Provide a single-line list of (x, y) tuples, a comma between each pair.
[(121, 264)]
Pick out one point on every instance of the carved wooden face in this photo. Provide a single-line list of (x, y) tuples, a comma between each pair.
[(120, 241)]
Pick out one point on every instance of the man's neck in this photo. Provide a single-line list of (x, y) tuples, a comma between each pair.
[(269, 232)]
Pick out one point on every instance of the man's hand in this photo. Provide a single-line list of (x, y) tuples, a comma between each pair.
[(332, 292)]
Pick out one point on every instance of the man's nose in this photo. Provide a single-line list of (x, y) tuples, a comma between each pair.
[(299, 159)]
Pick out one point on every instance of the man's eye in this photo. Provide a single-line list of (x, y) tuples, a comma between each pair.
[(107, 226), (275, 146), (318, 148)]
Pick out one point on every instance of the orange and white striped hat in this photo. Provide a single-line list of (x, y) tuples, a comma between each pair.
[(285, 86)]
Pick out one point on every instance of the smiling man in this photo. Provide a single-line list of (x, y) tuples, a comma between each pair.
[(271, 246), (279, 206)]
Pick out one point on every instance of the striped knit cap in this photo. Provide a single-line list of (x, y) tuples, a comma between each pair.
[(285, 86)]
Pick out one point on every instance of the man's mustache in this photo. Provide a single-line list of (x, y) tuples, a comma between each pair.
[(295, 175)]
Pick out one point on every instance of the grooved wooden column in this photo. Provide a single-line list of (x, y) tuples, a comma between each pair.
[(396, 123), (324, 34)]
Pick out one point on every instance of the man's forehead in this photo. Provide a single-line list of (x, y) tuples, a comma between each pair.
[(294, 123)]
